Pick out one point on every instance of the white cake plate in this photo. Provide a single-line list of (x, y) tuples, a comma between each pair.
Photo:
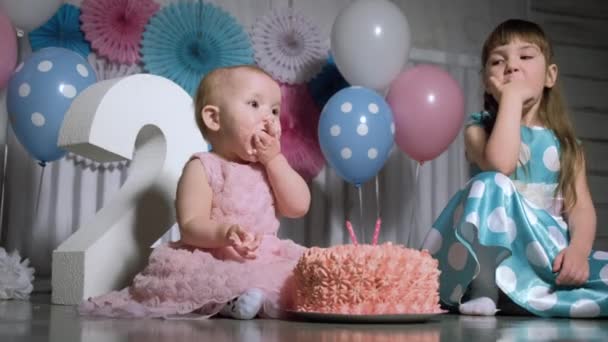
[(370, 319)]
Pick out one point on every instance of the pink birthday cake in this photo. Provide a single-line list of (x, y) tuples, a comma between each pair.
[(367, 280)]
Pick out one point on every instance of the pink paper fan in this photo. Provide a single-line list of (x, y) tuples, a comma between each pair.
[(115, 27), (299, 124)]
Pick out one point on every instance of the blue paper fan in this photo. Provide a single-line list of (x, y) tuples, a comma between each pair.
[(184, 41), (62, 30), (328, 82)]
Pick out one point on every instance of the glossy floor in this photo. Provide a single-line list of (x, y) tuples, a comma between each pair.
[(38, 320)]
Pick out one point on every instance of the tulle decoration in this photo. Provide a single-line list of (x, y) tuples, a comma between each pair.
[(106, 70), (328, 82), (299, 124), (15, 276), (186, 40), (61, 30), (93, 165), (115, 27), (288, 46)]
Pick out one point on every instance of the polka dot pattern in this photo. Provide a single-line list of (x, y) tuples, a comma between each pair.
[(38, 119), (500, 222), (541, 298), (39, 94), (584, 308), (506, 278), (355, 133), (504, 183), (536, 254), (526, 233), (551, 159), (24, 90), (477, 189), (45, 66), (457, 256)]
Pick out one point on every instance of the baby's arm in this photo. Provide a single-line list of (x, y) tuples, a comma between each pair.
[(572, 262), (290, 190), (193, 206)]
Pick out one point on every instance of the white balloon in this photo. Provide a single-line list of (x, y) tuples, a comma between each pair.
[(28, 15), (370, 43)]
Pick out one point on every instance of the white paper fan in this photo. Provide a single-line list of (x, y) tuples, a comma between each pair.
[(288, 46)]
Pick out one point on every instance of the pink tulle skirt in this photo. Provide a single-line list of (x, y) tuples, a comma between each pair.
[(181, 280)]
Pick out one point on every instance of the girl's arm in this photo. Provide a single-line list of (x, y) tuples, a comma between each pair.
[(572, 262), (193, 208), (290, 190), (500, 150)]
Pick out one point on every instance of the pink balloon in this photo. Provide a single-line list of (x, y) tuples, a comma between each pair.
[(428, 109), (8, 52)]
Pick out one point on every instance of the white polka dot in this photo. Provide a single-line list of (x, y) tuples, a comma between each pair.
[(504, 183), (346, 107), (506, 279), (456, 294), (45, 66), (68, 90), (467, 231), (38, 119), (457, 256), (82, 70), (346, 153), (458, 214), (604, 274), (362, 129), (393, 128), (19, 67), (530, 215), (433, 241), (499, 222), (600, 255), (557, 237), (524, 154), (536, 254), (372, 153), (335, 130), (551, 159), (477, 189), (24, 90), (473, 218), (540, 298), (373, 108), (584, 308)]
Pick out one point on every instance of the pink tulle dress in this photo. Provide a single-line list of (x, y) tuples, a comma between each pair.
[(183, 280)]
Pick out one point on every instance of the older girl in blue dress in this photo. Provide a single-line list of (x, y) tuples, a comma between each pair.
[(526, 224)]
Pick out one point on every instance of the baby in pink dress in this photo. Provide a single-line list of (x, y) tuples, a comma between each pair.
[(229, 259)]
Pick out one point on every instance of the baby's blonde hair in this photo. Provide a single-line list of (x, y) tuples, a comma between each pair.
[(552, 112), (213, 86)]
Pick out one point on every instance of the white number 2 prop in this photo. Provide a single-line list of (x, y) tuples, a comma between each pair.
[(147, 119)]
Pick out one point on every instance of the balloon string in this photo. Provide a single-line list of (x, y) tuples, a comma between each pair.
[(414, 205), (39, 187), (362, 235)]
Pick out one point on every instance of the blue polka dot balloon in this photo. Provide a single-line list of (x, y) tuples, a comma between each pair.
[(356, 133), (39, 94)]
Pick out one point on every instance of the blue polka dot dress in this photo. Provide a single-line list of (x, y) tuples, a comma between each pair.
[(521, 216)]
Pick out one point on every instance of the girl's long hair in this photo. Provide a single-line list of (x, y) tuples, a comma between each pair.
[(552, 113)]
